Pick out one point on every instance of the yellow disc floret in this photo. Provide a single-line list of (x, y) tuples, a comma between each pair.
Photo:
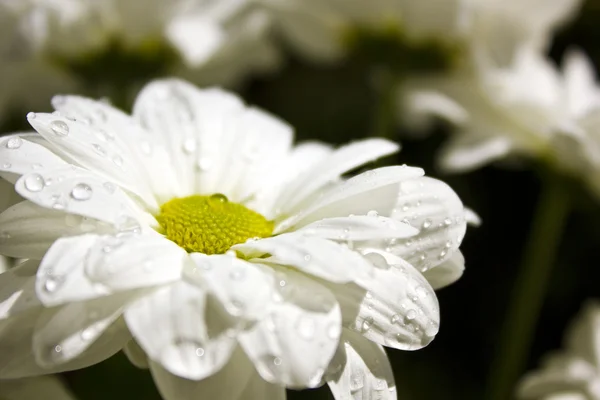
[(210, 224)]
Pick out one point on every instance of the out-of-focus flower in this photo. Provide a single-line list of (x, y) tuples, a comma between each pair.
[(320, 29), (40, 387), (527, 109), (573, 373), (240, 263), (51, 46)]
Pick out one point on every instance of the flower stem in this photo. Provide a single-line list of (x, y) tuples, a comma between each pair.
[(529, 290)]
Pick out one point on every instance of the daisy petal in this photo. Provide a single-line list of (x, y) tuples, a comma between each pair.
[(17, 289), (20, 156), (16, 338), (472, 217), (115, 126), (396, 307), (194, 126), (183, 345), (367, 373), (23, 238), (312, 255), (239, 370), (447, 272), (433, 207), (375, 190), (136, 355), (293, 345), (89, 266), (242, 287), (330, 169), (64, 333), (359, 227), (77, 191), (467, 152), (84, 145)]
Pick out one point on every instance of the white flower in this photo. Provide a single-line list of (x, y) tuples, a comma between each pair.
[(40, 41), (526, 109), (126, 219), (319, 29), (574, 373), (40, 387)]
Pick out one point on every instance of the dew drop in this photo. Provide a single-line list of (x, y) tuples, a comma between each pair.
[(307, 257), (368, 295), (221, 198), (128, 225), (395, 318), (448, 222), (88, 333), (204, 164), (357, 381), (99, 149), (237, 274), (427, 223), (367, 323), (57, 348), (81, 192), (189, 146), (442, 254), (6, 165), (277, 361), (118, 160), (14, 143), (377, 260), (110, 187), (306, 328), (34, 183), (52, 283), (334, 330), (60, 128), (411, 314), (372, 213), (200, 352)]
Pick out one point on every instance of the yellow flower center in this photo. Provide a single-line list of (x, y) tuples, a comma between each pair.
[(210, 224)]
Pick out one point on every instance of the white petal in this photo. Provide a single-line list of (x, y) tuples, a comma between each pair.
[(136, 354), (83, 144), (20, 156), (312, 255), (359, 227), (433, 207), (77, 191), (367, 373), (446, 273), (396, 307), (467, 152), (337, 163), (472, 217), (293, 345), (89, 266), (64, 333), (29, 230), (16, 340), (196, 37), (582, 93), (429, 102), (242, 288), (46, 387), (228, 383), (252, 161), (375, 190), (17, 289), (583, 336), (194, 126), (561, 373), (186, 344)]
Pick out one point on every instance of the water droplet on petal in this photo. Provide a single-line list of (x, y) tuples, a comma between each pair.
[(99, 150), (221, 198), (6, 165), (306, 327), (307, 257), (237, 274), (366, 324), (52, 283), (334, 330), (427, 223), (395, 318), (189, 146), (204, 164), (57, 348), (34, 183), (128, 225), (448, 221), (372, 213), (88, 333), (200, 352), (82, 192), (60, 128), (411, 314), (14, 143)]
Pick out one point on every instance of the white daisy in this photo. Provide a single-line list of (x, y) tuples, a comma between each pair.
[(237, 262), (528, 109), (574, 373), (45, 43)]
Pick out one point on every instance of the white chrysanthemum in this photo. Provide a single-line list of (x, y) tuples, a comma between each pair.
[(319, 28), (527, 109), (216, 42), (574, 373), (237, 261)]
